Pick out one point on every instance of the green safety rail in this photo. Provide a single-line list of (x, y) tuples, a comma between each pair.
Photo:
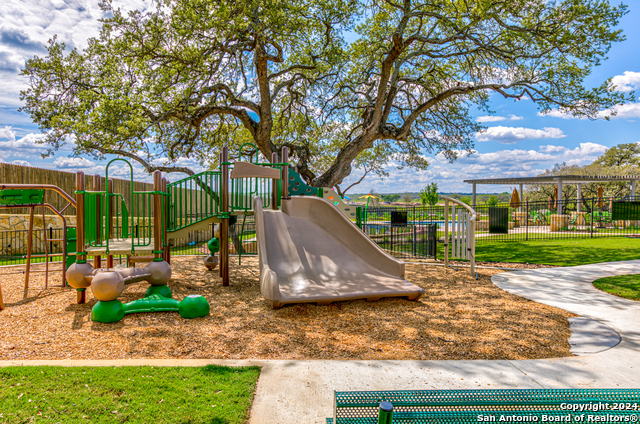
[(196, 198), (464, 406), (193, 199), (244, 189)]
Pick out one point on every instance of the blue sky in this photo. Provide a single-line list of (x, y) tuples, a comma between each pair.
[(518, 142)]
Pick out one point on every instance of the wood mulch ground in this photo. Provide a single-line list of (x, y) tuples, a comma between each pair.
[(458, 318)]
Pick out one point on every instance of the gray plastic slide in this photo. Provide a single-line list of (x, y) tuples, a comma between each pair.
[(310, 252)]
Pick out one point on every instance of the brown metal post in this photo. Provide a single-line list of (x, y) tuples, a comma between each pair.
[(110, 219), (97, 186), (29, 247), (157, 214), (285, 173), (46, 246), (64, 252), (274, 185), (224, 225), (80, 185)]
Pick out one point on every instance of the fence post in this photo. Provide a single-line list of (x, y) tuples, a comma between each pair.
[(414, 235), (385, 415), (591, 217), (526, 218)]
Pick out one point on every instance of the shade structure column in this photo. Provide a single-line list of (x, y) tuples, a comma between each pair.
[(579, 195), (521, 196), (559, 197), (473, 195)]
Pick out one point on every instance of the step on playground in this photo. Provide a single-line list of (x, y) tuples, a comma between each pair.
[(310, 244)]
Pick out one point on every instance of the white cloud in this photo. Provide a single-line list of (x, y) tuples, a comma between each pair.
[(21, 162), (27, 25), (25, 147), (64, 163), (510, 135), (489, 118), (503, 163), (586, 153), (626, 111), (552, 149), (628, 81), (8, 133)]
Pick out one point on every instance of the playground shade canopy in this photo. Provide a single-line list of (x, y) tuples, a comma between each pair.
[(310, 252)]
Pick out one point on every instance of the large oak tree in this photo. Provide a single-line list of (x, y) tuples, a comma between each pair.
[(187, 76)]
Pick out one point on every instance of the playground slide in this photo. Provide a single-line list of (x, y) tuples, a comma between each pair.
[(310, 252)]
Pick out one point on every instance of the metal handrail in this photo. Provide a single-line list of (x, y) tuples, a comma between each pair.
[(464, 205)]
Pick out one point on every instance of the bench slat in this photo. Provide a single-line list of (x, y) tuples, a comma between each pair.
[(464, 406)]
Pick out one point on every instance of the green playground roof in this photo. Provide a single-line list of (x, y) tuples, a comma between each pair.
[(554, 179)]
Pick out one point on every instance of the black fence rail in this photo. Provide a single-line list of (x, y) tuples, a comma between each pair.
[(584, 218), (14, 243), (404, 232)]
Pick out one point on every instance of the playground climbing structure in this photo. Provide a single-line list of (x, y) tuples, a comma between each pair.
[(108, 226)]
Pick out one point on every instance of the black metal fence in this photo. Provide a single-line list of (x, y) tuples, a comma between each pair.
[(404, 232), (14, 243), (421, 228), (587, 218), (408, 232)]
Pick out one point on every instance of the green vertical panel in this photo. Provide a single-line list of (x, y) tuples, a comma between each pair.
[(90, 212), (125, 220)]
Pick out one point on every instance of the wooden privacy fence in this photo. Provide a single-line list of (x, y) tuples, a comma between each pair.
[(17, 174)]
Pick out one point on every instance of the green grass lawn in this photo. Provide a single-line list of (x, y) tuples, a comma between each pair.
[(560, 252), (627, 286), (211, 394)]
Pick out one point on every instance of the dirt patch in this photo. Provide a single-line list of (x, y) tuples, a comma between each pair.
[(458, 318)]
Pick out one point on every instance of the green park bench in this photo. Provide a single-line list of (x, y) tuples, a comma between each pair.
[(474, 406)]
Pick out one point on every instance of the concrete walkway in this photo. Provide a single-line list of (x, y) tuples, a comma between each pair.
[(302, 391)]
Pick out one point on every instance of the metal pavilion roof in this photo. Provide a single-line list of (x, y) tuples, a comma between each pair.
[(554, 179)]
